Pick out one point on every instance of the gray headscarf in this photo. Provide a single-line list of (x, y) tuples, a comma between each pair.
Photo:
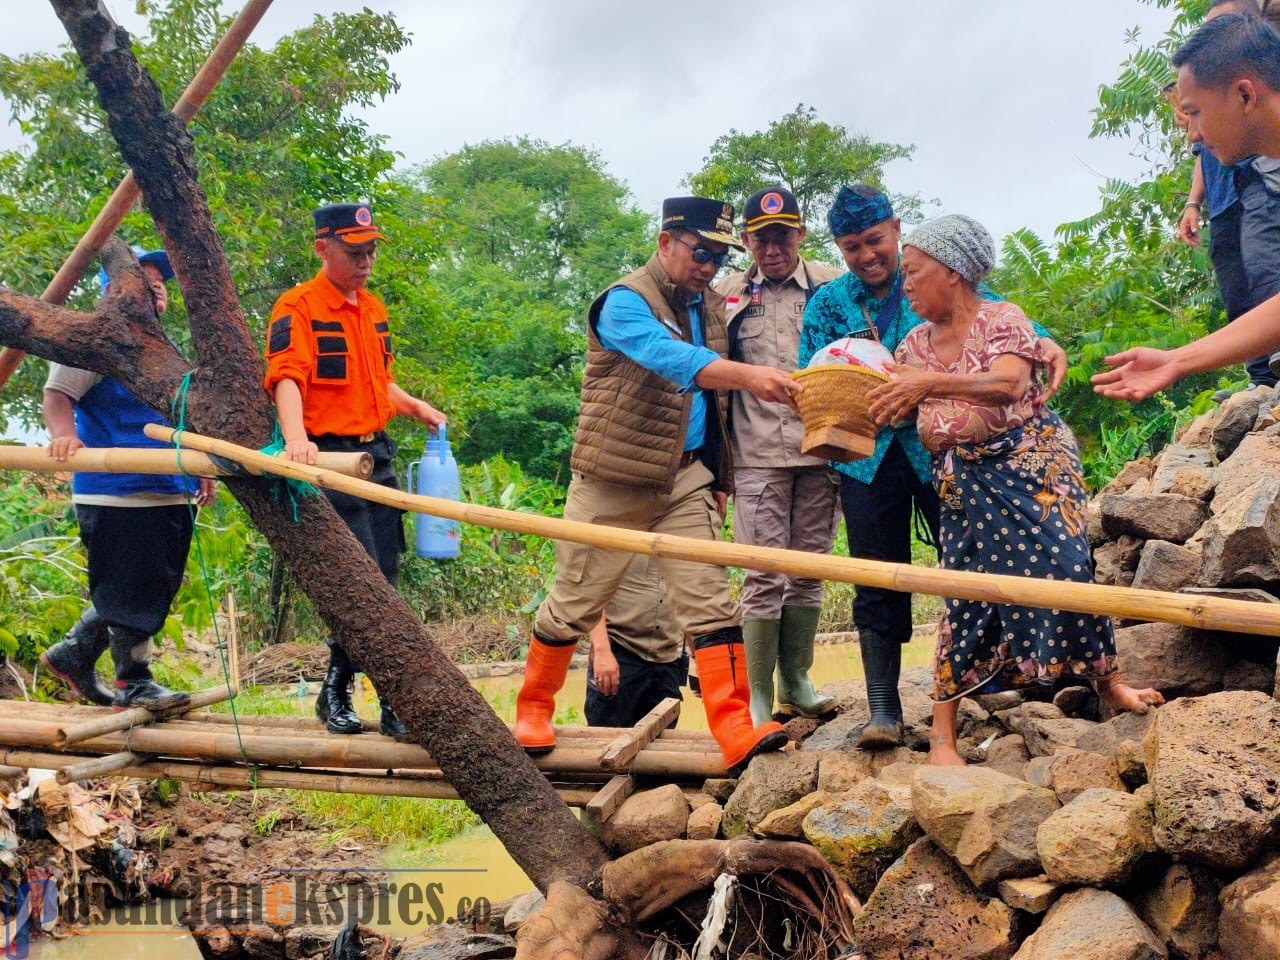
[(958, 242)]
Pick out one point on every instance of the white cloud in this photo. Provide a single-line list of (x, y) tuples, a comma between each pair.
[(996, 97)]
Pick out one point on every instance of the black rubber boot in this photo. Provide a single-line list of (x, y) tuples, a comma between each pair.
[(882, 661), (72, 659), (333, 705), (135, 687), (392, 726)]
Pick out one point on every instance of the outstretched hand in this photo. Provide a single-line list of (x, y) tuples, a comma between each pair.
[(893, 401), (1136, 374)]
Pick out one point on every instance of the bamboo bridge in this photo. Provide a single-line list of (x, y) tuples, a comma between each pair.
[(591, 767)]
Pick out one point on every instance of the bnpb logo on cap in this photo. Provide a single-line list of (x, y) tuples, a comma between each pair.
[(363, 216), (771, 203)]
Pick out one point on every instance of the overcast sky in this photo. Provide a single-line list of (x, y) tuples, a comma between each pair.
[(995, 96)]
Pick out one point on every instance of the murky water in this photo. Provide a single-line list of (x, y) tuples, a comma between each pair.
[(471, 869)]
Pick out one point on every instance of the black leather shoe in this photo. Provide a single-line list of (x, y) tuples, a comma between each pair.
[(393, 726), (333, 705), (149, 695)]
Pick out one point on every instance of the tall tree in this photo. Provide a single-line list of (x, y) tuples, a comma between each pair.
[(808, 156), (277, 138), (532, 232), (1120, 276)]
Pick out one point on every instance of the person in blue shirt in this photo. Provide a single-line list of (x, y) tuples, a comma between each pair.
[(881, 494), (1244, 237), (651, 453), (136, 528)]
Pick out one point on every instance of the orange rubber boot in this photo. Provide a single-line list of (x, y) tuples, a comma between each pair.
[(544, 672), (722, 671)]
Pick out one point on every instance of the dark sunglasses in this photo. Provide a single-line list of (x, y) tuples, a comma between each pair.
[(702, 254)]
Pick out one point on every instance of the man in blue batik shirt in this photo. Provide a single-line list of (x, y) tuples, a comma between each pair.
[(880, 494)]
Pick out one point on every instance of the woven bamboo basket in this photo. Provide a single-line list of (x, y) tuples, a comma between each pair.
[(833, 406)]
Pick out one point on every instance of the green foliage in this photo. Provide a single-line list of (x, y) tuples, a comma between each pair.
[(809, 157), (497, 570), (1120, 277)]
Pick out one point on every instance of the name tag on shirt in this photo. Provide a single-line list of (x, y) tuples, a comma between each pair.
[(755, 311)]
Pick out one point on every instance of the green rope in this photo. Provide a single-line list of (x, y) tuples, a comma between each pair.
[(282, 487), (178, 410)]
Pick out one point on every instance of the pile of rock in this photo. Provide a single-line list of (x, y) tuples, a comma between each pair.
[(1202, 517), (1138, 837)]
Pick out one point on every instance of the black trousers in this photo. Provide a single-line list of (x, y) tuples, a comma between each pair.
[(642, 685), (378, 527), (1231, 242), (878, 518), (136, 559)]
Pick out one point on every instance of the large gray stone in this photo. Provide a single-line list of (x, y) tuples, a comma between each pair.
[(1098, 839), (860, 834), (1141, 469), (1257, 458), (773, 781), (984, 819), (1161, 516), (1177, 661), (925, 908), (1249, 927), (1091, 925), (1072, 772), (1166, 566), (1180, 905), (1239, 412), (1242, 538), (1213, 764), (646, 817), (1177, 458)]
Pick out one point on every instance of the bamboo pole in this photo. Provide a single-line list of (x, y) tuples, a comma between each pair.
[(224, 777), (127, 719), (11, 773), (366, 752), (126, 194), (159, 461), (1204, 612), (98, 767)]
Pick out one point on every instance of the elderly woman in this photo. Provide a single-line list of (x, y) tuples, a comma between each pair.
[(1007, 473)]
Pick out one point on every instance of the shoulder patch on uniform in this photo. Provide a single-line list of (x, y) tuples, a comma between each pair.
[(280, 334)]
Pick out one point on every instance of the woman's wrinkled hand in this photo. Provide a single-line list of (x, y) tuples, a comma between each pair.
[(893, 402)]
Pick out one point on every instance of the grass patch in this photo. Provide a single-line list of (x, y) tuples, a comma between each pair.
[(406, 822)]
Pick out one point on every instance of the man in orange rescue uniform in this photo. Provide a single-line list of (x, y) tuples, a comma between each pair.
[(329, 371)]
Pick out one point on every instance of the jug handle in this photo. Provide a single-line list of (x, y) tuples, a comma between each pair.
[(444, 443), (408, 477)]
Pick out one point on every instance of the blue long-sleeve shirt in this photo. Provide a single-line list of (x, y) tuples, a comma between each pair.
[(628, 326), (845, 307)]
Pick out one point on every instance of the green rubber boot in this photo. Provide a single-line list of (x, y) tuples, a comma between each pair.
[(796, 634), (760, 637)]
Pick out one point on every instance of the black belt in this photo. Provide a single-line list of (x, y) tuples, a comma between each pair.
[(689, 456), (335, 441)]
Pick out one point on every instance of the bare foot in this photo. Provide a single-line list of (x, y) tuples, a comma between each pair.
[(945, 755), (1120, 696)]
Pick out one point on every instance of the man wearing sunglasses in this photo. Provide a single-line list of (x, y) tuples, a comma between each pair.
[(781, 498), (651, 453)]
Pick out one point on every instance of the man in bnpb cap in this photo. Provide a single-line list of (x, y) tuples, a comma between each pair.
[(136, 528), (329, 371), (781, 498), (652, 453), (882, 494)]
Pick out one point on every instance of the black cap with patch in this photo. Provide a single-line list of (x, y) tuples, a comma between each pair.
[(710, 219), (769, 206)]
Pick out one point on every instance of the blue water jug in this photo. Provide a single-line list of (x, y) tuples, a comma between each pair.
[(437, 476)]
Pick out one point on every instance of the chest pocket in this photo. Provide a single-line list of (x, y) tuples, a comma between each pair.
[(751, 323), (384, 334), (332, 351)]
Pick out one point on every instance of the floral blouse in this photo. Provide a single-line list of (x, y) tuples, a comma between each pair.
[(1000, 328)]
